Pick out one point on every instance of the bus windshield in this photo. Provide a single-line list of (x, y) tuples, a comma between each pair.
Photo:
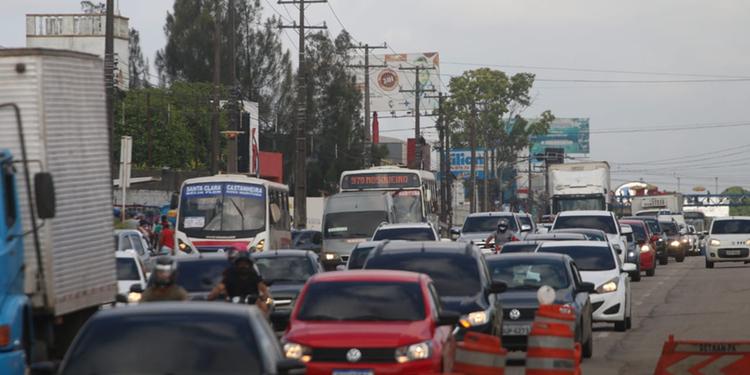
[(407, 206), (224, 209)]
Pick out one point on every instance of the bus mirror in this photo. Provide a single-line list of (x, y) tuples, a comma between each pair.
[(44, 194), (428, 195), (275, 213), (174, 201)]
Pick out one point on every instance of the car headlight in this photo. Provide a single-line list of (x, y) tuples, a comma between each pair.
[(134, 297), (330, 256), (609, 287), (675, 243), (260, 245), (685, 240), (414, 352), (182, 246), (645, 248), (716, 242), (747, 242), (297, 351), (476, 318)]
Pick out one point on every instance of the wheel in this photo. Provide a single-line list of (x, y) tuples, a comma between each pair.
[(635, 276), (628, 323), (663, 261), (621, 326), (709, 264), (651, 272), (588, 347), (680, 258)]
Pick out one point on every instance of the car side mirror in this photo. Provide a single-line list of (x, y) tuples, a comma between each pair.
[(290, 366), (587, 287), (174, 201), (455, 233), (44, 368), (448, 318), (44, 195), (617, 248), (136, 288), (275, 213), (629, 267), (497, 286), (525, 228)]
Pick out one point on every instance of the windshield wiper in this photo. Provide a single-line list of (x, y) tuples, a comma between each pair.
[(242, 216)]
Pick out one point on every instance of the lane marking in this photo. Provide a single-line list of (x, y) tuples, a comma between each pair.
[(602, 335)]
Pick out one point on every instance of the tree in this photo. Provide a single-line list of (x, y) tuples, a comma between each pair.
[(487, 105), (137, 68), (743, 210)]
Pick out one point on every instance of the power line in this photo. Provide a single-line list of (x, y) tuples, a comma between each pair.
[(682, 158), (633, 81)]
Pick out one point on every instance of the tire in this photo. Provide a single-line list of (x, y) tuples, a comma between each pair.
[(651, 272), (663, 261), (709, 264), (621, 326), (636, 276), (629, 322), (588, 347), (680, 258)]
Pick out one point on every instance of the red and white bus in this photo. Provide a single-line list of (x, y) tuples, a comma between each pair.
[(225, 212)]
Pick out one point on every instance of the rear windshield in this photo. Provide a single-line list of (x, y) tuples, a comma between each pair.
[(453, 274), (731, 227), (474, 224), (587, 258), (509, 248), (357, 258), (363, 301), (166, 344), (670, 228), (285, 268), (127, 269), (639, 231), (201, 276), (407, 234), (604, 223), (529, 273)]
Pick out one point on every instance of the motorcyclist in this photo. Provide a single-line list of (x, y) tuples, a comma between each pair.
[(162, 286), (241, 280), (502, 234)]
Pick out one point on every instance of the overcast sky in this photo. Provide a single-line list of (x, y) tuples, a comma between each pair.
[(566, 43)]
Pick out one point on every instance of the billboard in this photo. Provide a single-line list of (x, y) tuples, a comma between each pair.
[(570, 134), (461, 163), (387, 82)]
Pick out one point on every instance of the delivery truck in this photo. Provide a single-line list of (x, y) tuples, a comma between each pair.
[(579, 186)]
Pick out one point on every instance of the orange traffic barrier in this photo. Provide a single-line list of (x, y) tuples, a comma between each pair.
[(480, 354), (704, 357), (551, 350), (556, 314)]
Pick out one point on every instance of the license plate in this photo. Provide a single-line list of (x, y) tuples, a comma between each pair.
[(353, 372), (733, 252), (516, 330)]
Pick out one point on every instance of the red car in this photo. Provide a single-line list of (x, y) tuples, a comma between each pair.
[(371, 322), (642, 236)]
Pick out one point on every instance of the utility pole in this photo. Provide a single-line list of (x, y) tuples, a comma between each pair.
[(368, 132), (529, 196), (109, 79), (149, 130), (216, 82), (443, 131), (418, 90), (300, 172), (473, 166), (233, 95)]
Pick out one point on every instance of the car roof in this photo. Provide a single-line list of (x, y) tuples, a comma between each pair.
[(126, 254), (575, 243), (405, 225), (632, 222), (281, 253), (367, 244), (492, 214), (162, 308), (731, 218), (201, 258), (555, 236), (435, 247), (579, 230), (522, 243), (120, 231), (548, 256), (584, 213), (641, 218), (367, 275)]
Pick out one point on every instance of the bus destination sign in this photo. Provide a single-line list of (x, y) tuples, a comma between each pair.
[(380, 181)]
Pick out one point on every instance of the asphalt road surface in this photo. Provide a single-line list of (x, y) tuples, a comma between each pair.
[(683, 299)]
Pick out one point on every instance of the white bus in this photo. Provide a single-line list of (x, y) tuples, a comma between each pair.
[(225, 212), (415, 192)]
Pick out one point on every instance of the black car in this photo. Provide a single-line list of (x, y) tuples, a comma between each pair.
[(286, 272), (307, 240), (359, 255), (524, 274), (177, 338), (519, 247), (199, 275), (460, 275)]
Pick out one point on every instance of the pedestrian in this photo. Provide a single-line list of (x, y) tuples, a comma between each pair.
[(241, 280), (166, 239), (162, 286), (157, 230)]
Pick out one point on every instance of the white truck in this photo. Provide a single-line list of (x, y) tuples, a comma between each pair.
[(657, 204), (68, 269), (579, 186)]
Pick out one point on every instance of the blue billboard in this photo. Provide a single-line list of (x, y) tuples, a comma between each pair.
[(570, 134)]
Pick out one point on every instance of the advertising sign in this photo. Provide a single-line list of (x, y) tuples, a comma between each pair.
[(387, 82), (461, 163), (570, 134)]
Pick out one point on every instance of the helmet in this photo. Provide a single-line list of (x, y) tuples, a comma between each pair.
[(164, 272), (240, 256), (502, 225)]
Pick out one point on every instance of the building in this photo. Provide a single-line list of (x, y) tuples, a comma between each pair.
[(82, 32), (396, 150)]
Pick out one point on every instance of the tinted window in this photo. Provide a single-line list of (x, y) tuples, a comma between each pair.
[(375, 301), (518, 248), (353, 224), (529, 273), (407, 234), (670, 228), (731, 227), (487, 224), (201, 276), (604, 223), (294, 269), (453, 274), (127, 269), (357, 257), (165, 344), (137, 243), (639, 231), (587, 258)]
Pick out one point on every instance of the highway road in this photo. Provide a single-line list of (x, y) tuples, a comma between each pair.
[(683, 299)]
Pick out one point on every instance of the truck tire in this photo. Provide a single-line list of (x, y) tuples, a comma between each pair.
[(709, 264)]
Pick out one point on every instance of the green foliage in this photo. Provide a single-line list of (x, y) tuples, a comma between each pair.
[(739, 210), (137, 68)]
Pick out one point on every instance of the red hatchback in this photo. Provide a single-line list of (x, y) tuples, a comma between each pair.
[(642, 236), (370, 322)]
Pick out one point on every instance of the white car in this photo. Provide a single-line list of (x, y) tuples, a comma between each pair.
[(602, 220), (599, 264), (406, 232), (728, 240), (133, 239), (131, 275)]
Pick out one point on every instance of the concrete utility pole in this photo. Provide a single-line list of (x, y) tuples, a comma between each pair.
[(443, 131), (300, 172), (233, 94), (216, 82), (109, 79), (418, 91), (529, 196), (366, 67), (473, 166)]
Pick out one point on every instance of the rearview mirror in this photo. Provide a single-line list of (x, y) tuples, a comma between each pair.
[(136, 288), (629, 267), (174, 201), (497, 287), (44, 194), (428, 195), (587, 287), (617, 248), (448, 318)]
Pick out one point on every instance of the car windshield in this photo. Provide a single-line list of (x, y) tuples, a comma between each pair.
[(285, 268), (603, 223), (407, 206), (127, 269), (587, 258), (528, 273), (670, 228), (590, 235), (353, 224), (222, 209), (478, 224), (407, 234), (363, 301), (511, 247), (453, 274), (358, 257), (166, 343), (201, 275), (525, 220), (578, 204), (731, 227)]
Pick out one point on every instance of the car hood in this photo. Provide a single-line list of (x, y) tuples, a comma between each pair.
[(731, 239), (599, 277), (474, 236), (358, 334), (526, 298), (464, 305), (342, 246)]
